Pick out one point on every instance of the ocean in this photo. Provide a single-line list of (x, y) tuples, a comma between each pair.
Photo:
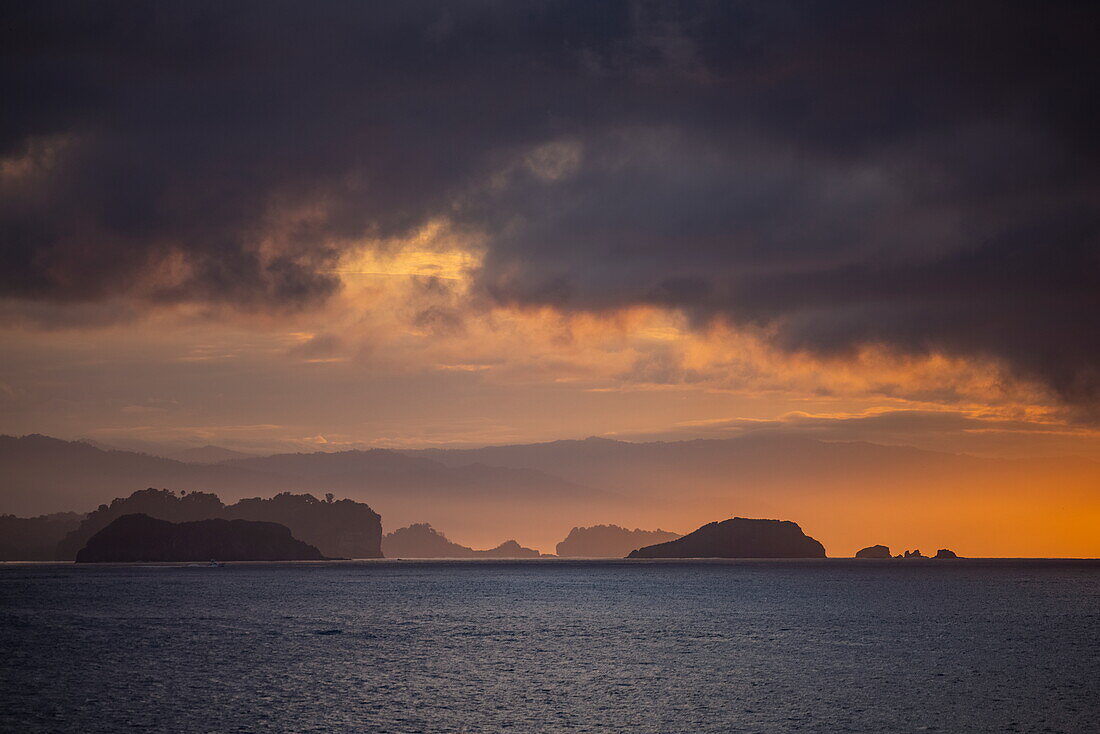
[(553, 646)]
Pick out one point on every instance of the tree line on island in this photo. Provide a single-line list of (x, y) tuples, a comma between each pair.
[(161, 525)]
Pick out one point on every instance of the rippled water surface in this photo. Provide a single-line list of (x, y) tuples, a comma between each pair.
[(553, 646)]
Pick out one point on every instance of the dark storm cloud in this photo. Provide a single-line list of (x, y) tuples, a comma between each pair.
[(176, 134), (918, 175)]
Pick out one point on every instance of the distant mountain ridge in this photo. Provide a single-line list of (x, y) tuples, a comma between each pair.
[(35, 538), (208, 454), (543, 490), (43, 474), (609, 541), (621, 464)]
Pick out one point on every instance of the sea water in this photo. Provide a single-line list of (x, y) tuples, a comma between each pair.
[(548, 646)]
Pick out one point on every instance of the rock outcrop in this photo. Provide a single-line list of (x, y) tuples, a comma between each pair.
[(421, 540), (739, 537), (609, 541), (339, 528), (874, 551), (913, 554), (140, 538), (945, 553)]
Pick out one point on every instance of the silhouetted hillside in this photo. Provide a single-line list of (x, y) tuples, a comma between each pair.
[(739, 537), (206, 455), (624, 466), (395, 472), (846, 487), (508, 549), (421, 540), (609, 541), (43, 475), (340, 528), (874, 551), (35, 538), (140, 538)]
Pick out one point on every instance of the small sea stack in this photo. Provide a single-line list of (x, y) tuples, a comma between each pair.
[(874, 551)]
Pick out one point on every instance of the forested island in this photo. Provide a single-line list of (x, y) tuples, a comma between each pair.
[(139, 538), (338, 528)]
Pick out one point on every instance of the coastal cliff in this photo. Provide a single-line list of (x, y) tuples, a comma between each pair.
[(140, 538), (739, 537)]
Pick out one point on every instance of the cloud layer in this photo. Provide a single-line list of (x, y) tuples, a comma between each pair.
[(921, 177)]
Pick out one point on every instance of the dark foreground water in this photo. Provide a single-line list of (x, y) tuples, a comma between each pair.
[(539, 646)]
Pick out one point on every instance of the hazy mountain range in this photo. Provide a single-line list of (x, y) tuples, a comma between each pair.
[(42, 474), (208, 454), (847, 494), (421, 540)]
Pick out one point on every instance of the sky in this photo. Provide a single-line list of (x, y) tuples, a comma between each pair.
[(288, 226)]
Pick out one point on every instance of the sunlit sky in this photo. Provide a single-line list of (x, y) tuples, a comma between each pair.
[(406, 355), (293, 227)]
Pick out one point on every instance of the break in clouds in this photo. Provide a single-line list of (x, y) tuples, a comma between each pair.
[(921, 176)]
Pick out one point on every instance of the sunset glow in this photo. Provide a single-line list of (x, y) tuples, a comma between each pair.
[(374, 277)]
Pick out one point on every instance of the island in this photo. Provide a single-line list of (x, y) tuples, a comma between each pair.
[(874, 551), (139, 538), (609, 541), (945, 553), (338, 528), (421, 540), (739, 537)]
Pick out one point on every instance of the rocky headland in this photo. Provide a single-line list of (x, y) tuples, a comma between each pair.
[(139, 538), (739, 537)]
